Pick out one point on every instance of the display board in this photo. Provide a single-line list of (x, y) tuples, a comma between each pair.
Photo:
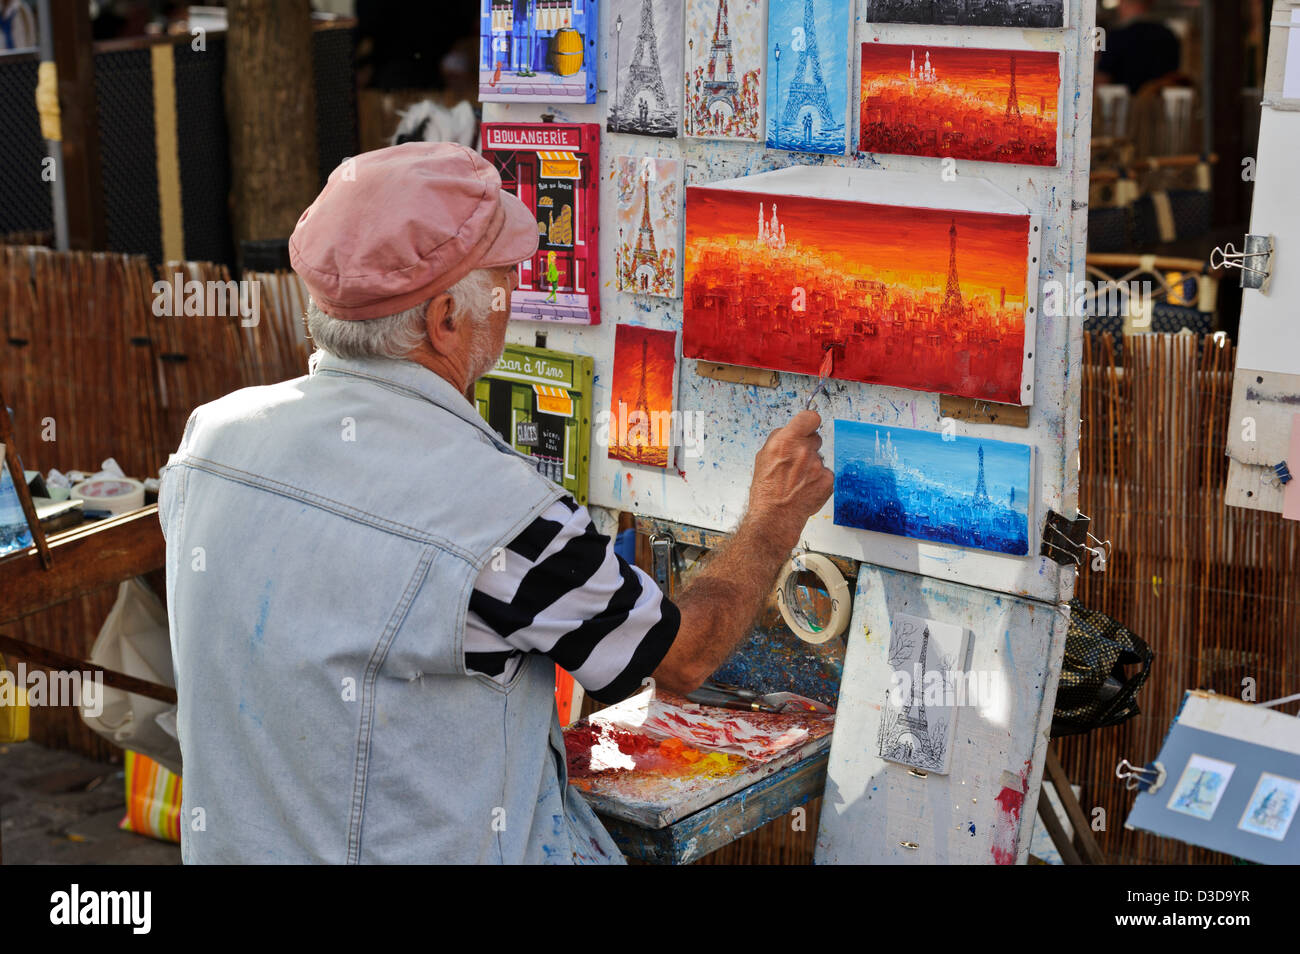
[(726, 423), (1231, 781), (976, 803)]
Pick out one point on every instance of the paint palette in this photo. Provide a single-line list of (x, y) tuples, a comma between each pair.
[(653, 782)]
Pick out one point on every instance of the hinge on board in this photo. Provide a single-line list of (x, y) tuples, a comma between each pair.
[(1065, 541), (1256, 262)]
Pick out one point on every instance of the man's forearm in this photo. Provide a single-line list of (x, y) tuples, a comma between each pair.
[(722, 602)]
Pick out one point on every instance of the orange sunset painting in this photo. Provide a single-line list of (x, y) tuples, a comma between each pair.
[(985, 105), (927, 299), (641, 395)]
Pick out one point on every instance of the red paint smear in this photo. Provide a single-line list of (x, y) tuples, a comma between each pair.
[(1006, 828)]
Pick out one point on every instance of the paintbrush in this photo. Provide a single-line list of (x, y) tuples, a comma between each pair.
[(824, 373)]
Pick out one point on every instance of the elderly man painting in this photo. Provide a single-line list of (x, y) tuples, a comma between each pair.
[(369, 591)]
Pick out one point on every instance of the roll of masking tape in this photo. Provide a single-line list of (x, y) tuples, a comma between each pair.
[(832, 581), (112, 494)]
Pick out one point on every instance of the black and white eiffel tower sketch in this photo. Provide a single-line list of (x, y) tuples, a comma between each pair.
[(642, 104), (808, 87), (912, 719)]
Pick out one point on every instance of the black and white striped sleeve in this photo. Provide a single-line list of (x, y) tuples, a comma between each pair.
[(560, 589)]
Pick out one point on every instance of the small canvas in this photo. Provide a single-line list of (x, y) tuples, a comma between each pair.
[(930, 299), (808, 74), (724, 69), (1272, 807), (983, 105), (919, 713), (1201, 787), (641, 395), (967, 491), (537, 51), (1035, 14), (554, 169), (645, 44), (649, 225)]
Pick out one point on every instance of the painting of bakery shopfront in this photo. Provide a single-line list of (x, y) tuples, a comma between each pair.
[(557, 184)]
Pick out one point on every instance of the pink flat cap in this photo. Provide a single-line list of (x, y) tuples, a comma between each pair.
[(397, 226)]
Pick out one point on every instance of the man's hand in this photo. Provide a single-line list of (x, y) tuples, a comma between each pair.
[(720, 604), (791, 483)]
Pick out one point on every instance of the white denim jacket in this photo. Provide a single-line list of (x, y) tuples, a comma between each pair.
[(323, 536)]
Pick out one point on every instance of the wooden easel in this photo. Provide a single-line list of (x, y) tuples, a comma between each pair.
[(1088, 851)]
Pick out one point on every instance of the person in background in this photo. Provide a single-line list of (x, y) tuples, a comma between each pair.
[(17, 26), (1140, 49)]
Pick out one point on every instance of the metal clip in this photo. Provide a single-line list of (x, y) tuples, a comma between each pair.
[(1282, 474), (1065, 540), (1147, 778), (663, 550), (1256, 262)]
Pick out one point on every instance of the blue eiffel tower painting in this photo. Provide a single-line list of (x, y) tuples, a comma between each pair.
[(808, 74)]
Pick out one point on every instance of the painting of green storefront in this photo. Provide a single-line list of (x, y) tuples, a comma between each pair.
[(540, 402)]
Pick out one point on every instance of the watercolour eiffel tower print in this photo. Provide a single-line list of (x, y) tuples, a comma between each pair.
[(649, 225), (724, 69), (808, 75), (645, 52)]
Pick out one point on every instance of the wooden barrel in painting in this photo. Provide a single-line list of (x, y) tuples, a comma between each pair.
[(568, 51)]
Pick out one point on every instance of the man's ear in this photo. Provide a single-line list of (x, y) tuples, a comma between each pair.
[(441, 326)]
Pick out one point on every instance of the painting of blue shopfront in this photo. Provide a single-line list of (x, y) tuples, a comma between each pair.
[(533, 50)]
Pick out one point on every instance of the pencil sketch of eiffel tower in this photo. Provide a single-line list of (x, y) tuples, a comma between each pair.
[(809, 86), (721, 87), (643, 105)]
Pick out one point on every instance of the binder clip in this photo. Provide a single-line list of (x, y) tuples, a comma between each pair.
[(1147, 778), (1256, 262), (1066, 541), (1283, 473)]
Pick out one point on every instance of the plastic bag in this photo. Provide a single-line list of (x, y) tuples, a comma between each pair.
[(134, 640)]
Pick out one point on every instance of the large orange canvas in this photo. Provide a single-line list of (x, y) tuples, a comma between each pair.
[(641, 395), (986, 105), (927, 299)]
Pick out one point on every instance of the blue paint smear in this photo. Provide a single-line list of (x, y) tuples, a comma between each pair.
[(263, 611)]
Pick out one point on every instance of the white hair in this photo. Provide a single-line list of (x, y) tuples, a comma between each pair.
[(396, 336)]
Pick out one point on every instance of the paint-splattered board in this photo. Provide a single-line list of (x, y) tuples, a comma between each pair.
[(711, 489), (658, 795), (982, 812)]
